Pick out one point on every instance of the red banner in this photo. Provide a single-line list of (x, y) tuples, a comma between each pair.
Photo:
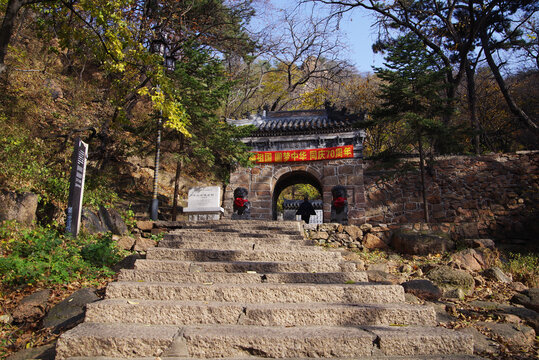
[(338, 152)]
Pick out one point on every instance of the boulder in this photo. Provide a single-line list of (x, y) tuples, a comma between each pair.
[(382, 277), (447, 279), (365, 227), (124, 242), (91, 223), (530, 317), (70, 311), (423, 289), (421, 243), (354, 232), (469, 259), (45, 352), (380, 266), (481, 343), (371, 242), (32, 307), (528, 298), (143, 244), (496, 274), (145, 225), (511, 334), (112, 220), (20, 207)]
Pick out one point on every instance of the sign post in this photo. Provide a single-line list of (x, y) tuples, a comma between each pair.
[(76, 187)]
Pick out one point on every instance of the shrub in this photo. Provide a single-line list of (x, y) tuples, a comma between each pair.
[(524, 268), (44, 256)]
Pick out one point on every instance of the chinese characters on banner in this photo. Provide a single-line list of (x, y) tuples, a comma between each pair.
[(338, 152)]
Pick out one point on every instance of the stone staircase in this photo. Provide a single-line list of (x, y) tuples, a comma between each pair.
[(251, 289)]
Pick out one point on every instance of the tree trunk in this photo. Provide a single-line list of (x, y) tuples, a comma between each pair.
[(526, 120), (177, 181), (423, 190), (6, 30), (472, 102)]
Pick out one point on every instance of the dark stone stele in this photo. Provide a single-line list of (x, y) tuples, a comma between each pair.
[(339, 214), (241, 212)]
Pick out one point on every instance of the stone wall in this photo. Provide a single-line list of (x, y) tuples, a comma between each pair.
[(495, 195), (262, 180)]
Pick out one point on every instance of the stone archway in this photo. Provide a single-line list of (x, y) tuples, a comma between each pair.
[(293, 178), (320, 147)]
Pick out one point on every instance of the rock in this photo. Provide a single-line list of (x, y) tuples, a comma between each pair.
[(124, 242), (382, 277), (91, 223), (45, 352), (528, 298), (365, 227), (530, 317), (20, 207), (6, 319), (143, 244), (319, 235), (423, 289), (145, 225), (441, 314), (483, 243), (406, 268), (447, 279), (70, 311), (112, 219), (54, 89), (495, 273), (518, 286), (421, 243), (127, 262), (412, 299), (481, 343), (32, 307), (371, 242), (381, 266), (469, 259), (354, 232), (457, 293), (511, 334)]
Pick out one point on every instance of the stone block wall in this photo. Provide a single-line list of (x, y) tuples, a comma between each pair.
[(495, 195), (262, 180)]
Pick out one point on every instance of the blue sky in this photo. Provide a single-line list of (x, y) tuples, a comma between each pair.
[(355, 26)]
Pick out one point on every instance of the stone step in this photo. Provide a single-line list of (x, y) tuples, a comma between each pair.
[(234, 224), (258, 293), (155, 312), (242, 255), (237, 244), (243, 266), (242, 278), (415, 357), (206, 341), (208, 235)]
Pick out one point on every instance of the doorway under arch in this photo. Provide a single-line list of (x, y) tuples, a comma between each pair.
[(293, 178)]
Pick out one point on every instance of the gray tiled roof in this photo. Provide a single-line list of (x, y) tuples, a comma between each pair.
[(302, 121)]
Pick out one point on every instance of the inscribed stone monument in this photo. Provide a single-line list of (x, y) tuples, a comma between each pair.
[(203, 203)]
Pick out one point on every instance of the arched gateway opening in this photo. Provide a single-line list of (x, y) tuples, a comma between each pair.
[(322, 148), (290, 179)]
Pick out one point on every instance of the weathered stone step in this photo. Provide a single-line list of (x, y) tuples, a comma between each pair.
[(258, 293), (415, 357), (206, 341), (259, 234), (237, 244), (243, 266), (235, 224), (155, 312), (242, 255), (242, 278)]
